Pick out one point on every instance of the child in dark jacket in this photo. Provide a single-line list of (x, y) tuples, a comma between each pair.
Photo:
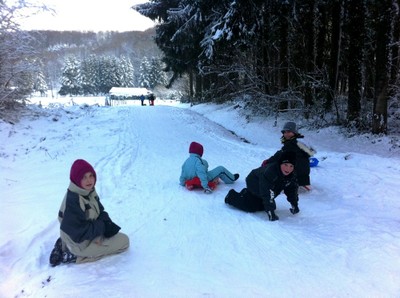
[(87, 232), (290, 142), (264, 184), (195, 166)]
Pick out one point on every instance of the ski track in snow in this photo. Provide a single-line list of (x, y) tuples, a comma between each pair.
[(188, 244)]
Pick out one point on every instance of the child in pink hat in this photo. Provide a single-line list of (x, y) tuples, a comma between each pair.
[(195, 170), (87, 232)]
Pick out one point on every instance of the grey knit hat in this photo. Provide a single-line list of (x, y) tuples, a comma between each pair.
[(289, 126)]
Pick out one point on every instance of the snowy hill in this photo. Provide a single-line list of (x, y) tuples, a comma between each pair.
[(345, 242)]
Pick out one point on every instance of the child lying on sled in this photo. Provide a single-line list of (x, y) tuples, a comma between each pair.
[(195, 172)]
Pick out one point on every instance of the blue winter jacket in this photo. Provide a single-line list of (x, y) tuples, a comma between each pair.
[(192, 167)]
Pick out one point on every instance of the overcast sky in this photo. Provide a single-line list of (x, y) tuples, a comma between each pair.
[(89, 15)]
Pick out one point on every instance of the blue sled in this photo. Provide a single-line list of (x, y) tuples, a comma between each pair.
[(313, 162)]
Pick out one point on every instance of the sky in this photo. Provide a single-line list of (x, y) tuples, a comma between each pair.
[(89, 15), (345, 242)]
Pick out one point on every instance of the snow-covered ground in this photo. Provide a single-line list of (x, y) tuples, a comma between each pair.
[(345, 242)]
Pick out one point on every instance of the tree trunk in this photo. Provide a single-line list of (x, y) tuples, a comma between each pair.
[(356, 37), (191, 92), (283, 52), (395, 63), (379, 115), (310, 52), (335, 52)]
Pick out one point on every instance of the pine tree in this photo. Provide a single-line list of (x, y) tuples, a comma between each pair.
[(127, 72), (71, 77), (144, 73), (89, 75), (40, 84)]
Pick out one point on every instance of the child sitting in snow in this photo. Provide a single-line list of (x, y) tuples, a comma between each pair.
[(303, 153), (87, 232), (197, 168)]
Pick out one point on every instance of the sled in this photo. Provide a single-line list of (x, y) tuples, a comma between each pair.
[(313, 162), (195, 183)]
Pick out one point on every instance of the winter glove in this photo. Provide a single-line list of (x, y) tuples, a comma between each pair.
[(295, 209), (264, 163), (212, 185), (110, 229), (272, 216), (207, 190), (104, 216)]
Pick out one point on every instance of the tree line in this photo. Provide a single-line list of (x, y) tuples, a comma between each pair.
[(321, 57), (98, 74), (70, 62)]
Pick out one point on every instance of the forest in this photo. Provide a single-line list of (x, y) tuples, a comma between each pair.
[(71, 63), (83, 63), (330, 62)]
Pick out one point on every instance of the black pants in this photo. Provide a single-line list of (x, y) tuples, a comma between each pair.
[(244, 200)]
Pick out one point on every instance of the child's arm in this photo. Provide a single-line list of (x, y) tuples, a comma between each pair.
[(75, 224), (201, 172)]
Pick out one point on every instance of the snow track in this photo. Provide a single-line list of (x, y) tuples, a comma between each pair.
[(343, 243)]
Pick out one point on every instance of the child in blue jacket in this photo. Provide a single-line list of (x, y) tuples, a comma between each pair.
[(196, 166)]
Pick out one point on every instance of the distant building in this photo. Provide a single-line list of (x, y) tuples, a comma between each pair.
[(124, 93)]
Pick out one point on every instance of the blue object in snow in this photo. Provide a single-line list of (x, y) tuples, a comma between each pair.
[(313, 162)]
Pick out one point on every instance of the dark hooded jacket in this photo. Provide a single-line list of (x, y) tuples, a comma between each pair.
[(302, 159), (268, 182)]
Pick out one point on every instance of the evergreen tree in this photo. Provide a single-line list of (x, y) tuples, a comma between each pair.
[(144, 73), (151, 73), (40, 84), (71, 77), (105, 79), (127, 72), (88, 72), (178, 34)]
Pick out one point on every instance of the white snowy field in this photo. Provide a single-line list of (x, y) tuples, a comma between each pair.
[(345, 242)]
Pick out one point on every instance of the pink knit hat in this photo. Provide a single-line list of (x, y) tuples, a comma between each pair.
[(79, 168), (196, 148)]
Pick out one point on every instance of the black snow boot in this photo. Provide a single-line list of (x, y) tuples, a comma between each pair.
[(68, 257), (272, 216), (56, 254), (230, 196)]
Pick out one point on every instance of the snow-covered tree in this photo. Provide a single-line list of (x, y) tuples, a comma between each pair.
[(178, 34), (71, 77), (144, 70), (88, 71), (314, 53), (127, 72), (17, 53), (40, 84), (151, 73)]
